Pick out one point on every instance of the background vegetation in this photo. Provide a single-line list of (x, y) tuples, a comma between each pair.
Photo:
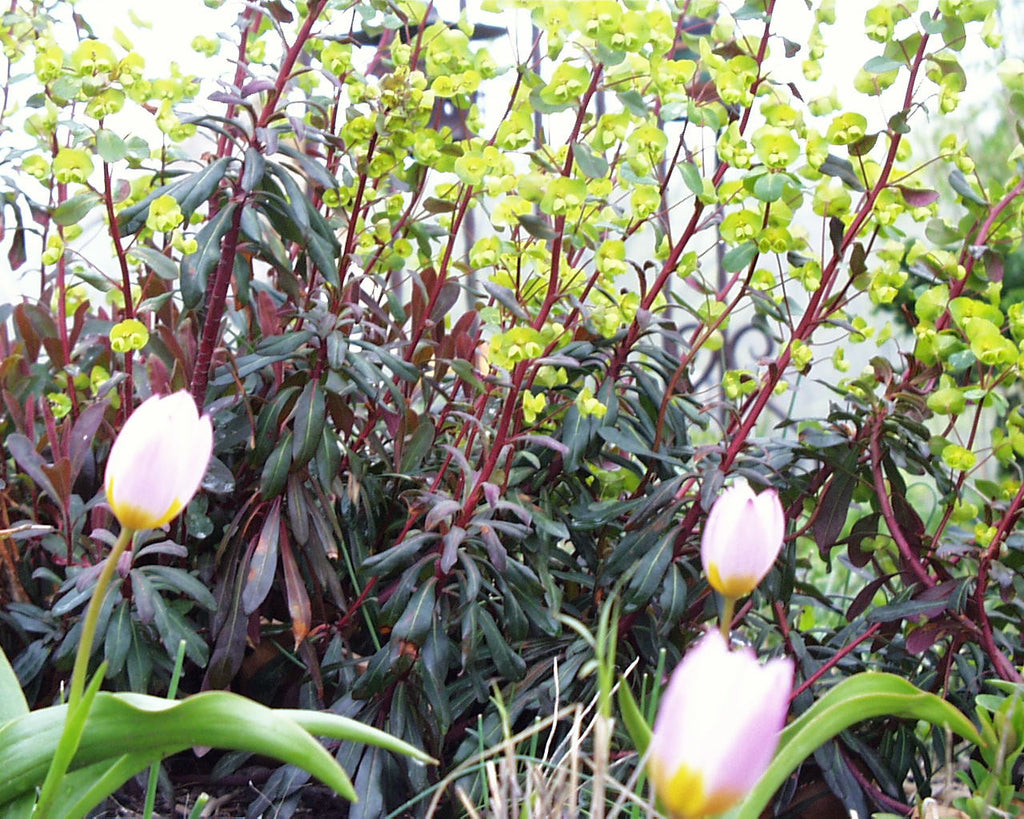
[(472, 323)]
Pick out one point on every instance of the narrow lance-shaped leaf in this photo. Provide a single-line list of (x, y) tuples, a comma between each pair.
[(263, 563), (310, 413), (295, 588)]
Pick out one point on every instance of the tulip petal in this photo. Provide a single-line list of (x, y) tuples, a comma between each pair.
[(158, 461), (742, 539), (717, 727)]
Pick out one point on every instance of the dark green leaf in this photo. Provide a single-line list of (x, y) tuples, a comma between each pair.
[(835, 503), (739, 257), (110, 146), (253, 169), (434, 205), (315, 171), (197, 266), (842, 169), (880, 65), (72, 211), (164, 267), (633, 102), (118, 639), (963, 187), (592, 164), (509, 663), (180, 580), (536, 226), (691, 177), (31, 462), (263, 563), (648, 572), (769, 187), (310, 416), (275, 470), (415, 621)]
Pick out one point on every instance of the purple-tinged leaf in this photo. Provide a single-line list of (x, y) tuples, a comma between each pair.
[(263, 563), (450, 551), (918, 197)]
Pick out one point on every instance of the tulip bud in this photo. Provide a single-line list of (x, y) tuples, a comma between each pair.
[(158, 460), (742, 538), (717, 727)]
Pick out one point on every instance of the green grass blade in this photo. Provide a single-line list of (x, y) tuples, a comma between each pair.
[(633, 719)]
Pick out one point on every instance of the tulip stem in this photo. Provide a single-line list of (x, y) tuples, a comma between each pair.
[(74, 722), (92, 616), (725, 623)]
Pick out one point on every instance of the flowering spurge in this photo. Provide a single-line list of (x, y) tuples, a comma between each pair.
[(742, 538), (158, 461), (717, 727)]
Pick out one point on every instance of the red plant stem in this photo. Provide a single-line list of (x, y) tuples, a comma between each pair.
[(811, 318), (217, 292), (353, 219), (290, 57), (520, 370), (886, 801), (500, 439), (1006, 524), (115, 237), (888, 514), (957, 287), (126, 284), (442, 273), (762, 50), (1003, 667), (251, 18), (554, 290), (669, 266), (351, 611), (832, 661), (215, 308)]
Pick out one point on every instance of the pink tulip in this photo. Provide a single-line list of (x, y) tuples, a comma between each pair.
[(158, 461), (717, 727), (742, 538)]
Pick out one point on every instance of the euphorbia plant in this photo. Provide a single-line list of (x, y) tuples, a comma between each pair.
[(79, 752)]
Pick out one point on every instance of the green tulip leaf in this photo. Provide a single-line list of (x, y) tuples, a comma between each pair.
[(145, 729), (82, 790), (326, 724), (860, 697), (12, 700)]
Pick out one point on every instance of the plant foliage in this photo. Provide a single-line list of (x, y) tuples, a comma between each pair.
[(473, 323)]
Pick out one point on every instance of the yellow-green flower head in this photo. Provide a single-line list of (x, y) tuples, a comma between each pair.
[(72, 165), (164, 214), (742, 537), (158, 461), (130, 334), (717, 727)]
